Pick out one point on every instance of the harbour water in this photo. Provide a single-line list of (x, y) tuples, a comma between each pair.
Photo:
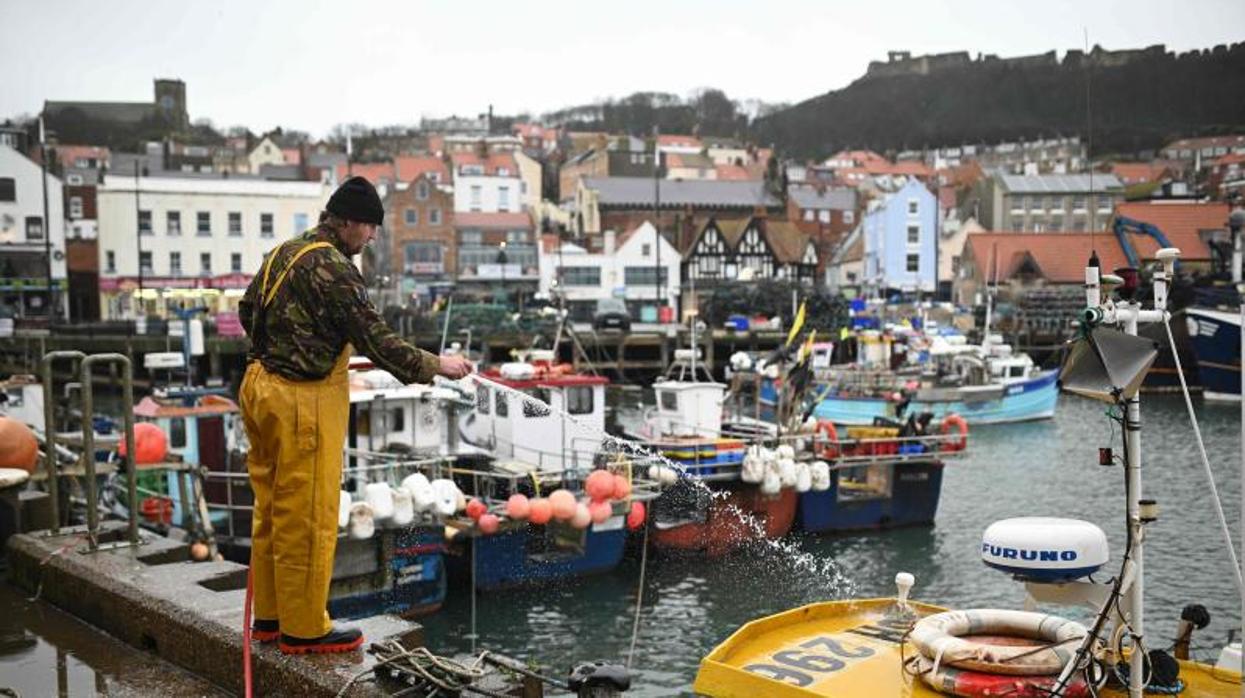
[(1041, 468), (691, 604)]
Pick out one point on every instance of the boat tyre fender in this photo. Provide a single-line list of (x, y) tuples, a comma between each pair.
[(939, 638), (830, 446), (955, 421)]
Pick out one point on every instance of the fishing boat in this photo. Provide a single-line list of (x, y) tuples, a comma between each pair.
[(539, 431), (987, 384), (708, 504), (879, 477), (875, 647), (1216, 338)]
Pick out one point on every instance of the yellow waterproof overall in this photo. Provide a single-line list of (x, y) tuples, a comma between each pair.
[(297, 430)]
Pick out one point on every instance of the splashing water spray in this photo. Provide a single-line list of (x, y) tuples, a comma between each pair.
[(823, 570)]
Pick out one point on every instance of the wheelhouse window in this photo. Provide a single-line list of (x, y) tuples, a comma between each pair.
[(669, 401), (579, 400), (537, 407), (502, 404), (482, 399)]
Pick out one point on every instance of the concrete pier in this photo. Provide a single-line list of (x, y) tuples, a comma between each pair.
[(189, 613)]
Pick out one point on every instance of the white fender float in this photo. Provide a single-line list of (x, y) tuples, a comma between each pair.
[(343, 509), (403, 508), (803, 477), (785, 451), (362, 521), (380, 498), (771, 484), (821, 475), (422, 496), (786, 472), (446, 497)]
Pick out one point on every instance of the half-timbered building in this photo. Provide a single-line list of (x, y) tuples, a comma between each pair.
[(752, 248)]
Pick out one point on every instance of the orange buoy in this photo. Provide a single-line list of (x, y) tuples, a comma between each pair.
[(18, 446), (600, 511), (622, 487), (488, 524), (955, 421), (476, 509), (635, 517), (563, 504), (518, 506), (150, 442), (540, 511), (829, 449), (600, 484), (582, 517), (199, 551)]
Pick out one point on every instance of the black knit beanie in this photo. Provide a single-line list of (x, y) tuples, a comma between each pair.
[(356, 200)]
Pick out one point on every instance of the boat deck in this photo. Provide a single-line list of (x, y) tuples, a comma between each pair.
[(851, 649)]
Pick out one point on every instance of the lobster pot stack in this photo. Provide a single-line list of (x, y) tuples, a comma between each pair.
[(996, 652)]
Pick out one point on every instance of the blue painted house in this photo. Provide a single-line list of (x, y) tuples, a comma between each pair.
[(900, 235)]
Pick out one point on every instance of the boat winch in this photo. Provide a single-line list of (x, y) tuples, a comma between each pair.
[(1044, 549)]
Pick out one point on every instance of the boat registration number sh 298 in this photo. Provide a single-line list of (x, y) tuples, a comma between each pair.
[(811, 660)]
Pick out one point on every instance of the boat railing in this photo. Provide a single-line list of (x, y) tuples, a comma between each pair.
[(369, 466)]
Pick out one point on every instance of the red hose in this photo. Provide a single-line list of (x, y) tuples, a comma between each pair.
[(246, 633)]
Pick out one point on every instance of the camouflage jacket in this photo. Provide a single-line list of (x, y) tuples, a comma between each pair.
[(321, 306)]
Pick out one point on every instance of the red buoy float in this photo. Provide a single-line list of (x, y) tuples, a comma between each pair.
[(18, 446), (635, 517), (476, 509), (540, 511), (150, 443)]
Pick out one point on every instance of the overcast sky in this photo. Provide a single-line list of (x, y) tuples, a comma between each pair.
[(310, 65)]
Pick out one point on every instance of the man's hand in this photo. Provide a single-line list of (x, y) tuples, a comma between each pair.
[(454, 367)]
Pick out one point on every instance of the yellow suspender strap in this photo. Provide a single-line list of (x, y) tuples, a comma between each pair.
[(267, 294)]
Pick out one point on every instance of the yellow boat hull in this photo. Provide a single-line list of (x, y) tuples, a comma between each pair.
[(851, 649)]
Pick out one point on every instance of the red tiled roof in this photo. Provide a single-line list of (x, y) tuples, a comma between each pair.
[(679, 141), (412, 166), (1060, 257), (859, 157), (733, 172), (68, 153), (1180, 221), (374, 172), (1138, 172), (908, 168), (476, 219), (491, 165), (1229, 159)]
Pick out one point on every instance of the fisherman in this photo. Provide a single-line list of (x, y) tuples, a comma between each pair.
[(305, 311)]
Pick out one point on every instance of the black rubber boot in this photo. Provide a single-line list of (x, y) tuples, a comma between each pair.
[(265, 630), (337, 640)]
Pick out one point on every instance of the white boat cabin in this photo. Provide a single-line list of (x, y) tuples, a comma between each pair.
[(389, 415), (21, 398), (566, 437), (689, 401)]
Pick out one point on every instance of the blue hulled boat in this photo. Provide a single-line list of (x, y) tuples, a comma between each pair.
[(1216, 339)]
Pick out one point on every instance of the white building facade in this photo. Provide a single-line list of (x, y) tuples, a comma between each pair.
[(201, 240), (24, 236), (626, 270)]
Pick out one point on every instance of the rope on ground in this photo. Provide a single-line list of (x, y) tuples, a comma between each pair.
[(445, 674)]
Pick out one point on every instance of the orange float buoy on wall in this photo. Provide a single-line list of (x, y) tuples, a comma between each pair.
[(150, 442), (18, 446)]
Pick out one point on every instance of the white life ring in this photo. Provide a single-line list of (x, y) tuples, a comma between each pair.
[(937, 637)]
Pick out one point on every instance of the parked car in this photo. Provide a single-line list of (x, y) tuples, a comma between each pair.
[(611, 314)]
